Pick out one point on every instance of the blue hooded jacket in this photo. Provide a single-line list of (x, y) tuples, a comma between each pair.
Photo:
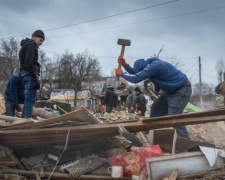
[(161, 73), (14, 91)]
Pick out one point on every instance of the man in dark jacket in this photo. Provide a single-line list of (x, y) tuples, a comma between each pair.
[(30, 70), (141, 102), (14, 94), (110, 100), (174, 84)]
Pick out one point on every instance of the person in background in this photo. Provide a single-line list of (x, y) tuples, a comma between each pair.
[(110, 100), (175, 86), (131, 100), (141, 102), (220, 88), (14, 94)]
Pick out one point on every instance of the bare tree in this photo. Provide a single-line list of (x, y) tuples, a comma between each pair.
[(206, 89), (220, 69), (47, 75), (174, 61), (9, 59), (73, 71), (160, 51)]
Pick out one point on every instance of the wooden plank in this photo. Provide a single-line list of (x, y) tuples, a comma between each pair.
[(174, 174), (5, 124), (12, 119), (24, 121), (82, 115), (216, 112), (96, 131), (197, 175), (9, 163)]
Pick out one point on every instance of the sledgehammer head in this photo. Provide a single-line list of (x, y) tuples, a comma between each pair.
[(125, 42)]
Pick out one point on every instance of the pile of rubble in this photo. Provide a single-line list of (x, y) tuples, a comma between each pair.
[(83, 145), (116, 116)]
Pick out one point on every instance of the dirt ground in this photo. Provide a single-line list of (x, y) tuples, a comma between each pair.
[(210, 132)]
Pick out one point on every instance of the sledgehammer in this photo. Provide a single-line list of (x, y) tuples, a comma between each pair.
[(123, 42)]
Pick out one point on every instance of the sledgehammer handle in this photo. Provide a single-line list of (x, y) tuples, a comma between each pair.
[(121, 55)]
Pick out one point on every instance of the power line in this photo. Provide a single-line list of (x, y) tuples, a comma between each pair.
[(114, 57), (97, 19), (192, 66), (194, 72), (168, 17)]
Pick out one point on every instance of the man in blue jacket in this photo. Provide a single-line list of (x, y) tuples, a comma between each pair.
[(175, 85), (14, 94)]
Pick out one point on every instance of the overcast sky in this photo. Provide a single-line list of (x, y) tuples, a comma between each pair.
[(186, 28)]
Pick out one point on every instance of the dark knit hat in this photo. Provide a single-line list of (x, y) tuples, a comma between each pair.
[(137, 89), (39, 33)]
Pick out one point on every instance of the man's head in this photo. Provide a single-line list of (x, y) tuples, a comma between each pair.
[(38, 37), (139, 65), (137, 90)]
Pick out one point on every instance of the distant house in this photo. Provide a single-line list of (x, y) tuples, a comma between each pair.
[(68, 95), (98, 89)]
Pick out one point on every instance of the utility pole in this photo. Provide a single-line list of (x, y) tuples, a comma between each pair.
[(200, 81)]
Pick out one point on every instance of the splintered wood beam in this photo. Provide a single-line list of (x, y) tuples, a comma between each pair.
[(216, 112), (33, 137)]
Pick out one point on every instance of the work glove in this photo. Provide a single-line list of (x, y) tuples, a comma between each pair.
[(18, 109), (139, 112), (36, 84), (122, 61), (118, 71), (103, 108), (132, 108)]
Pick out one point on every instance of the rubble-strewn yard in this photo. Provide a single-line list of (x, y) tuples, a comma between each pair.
[(82, 144)]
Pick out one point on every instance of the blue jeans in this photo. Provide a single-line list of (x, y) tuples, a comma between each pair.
[(173, 103), (30, 96), (10, 110)]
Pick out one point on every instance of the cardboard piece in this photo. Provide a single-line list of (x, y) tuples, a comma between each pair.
[(169, 142), (165, 138)]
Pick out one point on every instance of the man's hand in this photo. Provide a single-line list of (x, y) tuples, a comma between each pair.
[(139, 112), (122, 61), (18, 109), (36, 84), (118, 71)]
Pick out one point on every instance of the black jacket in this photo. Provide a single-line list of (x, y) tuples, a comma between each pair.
[(141, 102), (29, 58), (110, 98)]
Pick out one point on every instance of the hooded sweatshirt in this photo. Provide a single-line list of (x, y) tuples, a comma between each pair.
[(14, 91), (28, 57), (161, 73)]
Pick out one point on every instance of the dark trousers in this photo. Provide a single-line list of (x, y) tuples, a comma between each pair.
[(143, 113), (129, 110), (10, 109), (108, 109), (173, 103)]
